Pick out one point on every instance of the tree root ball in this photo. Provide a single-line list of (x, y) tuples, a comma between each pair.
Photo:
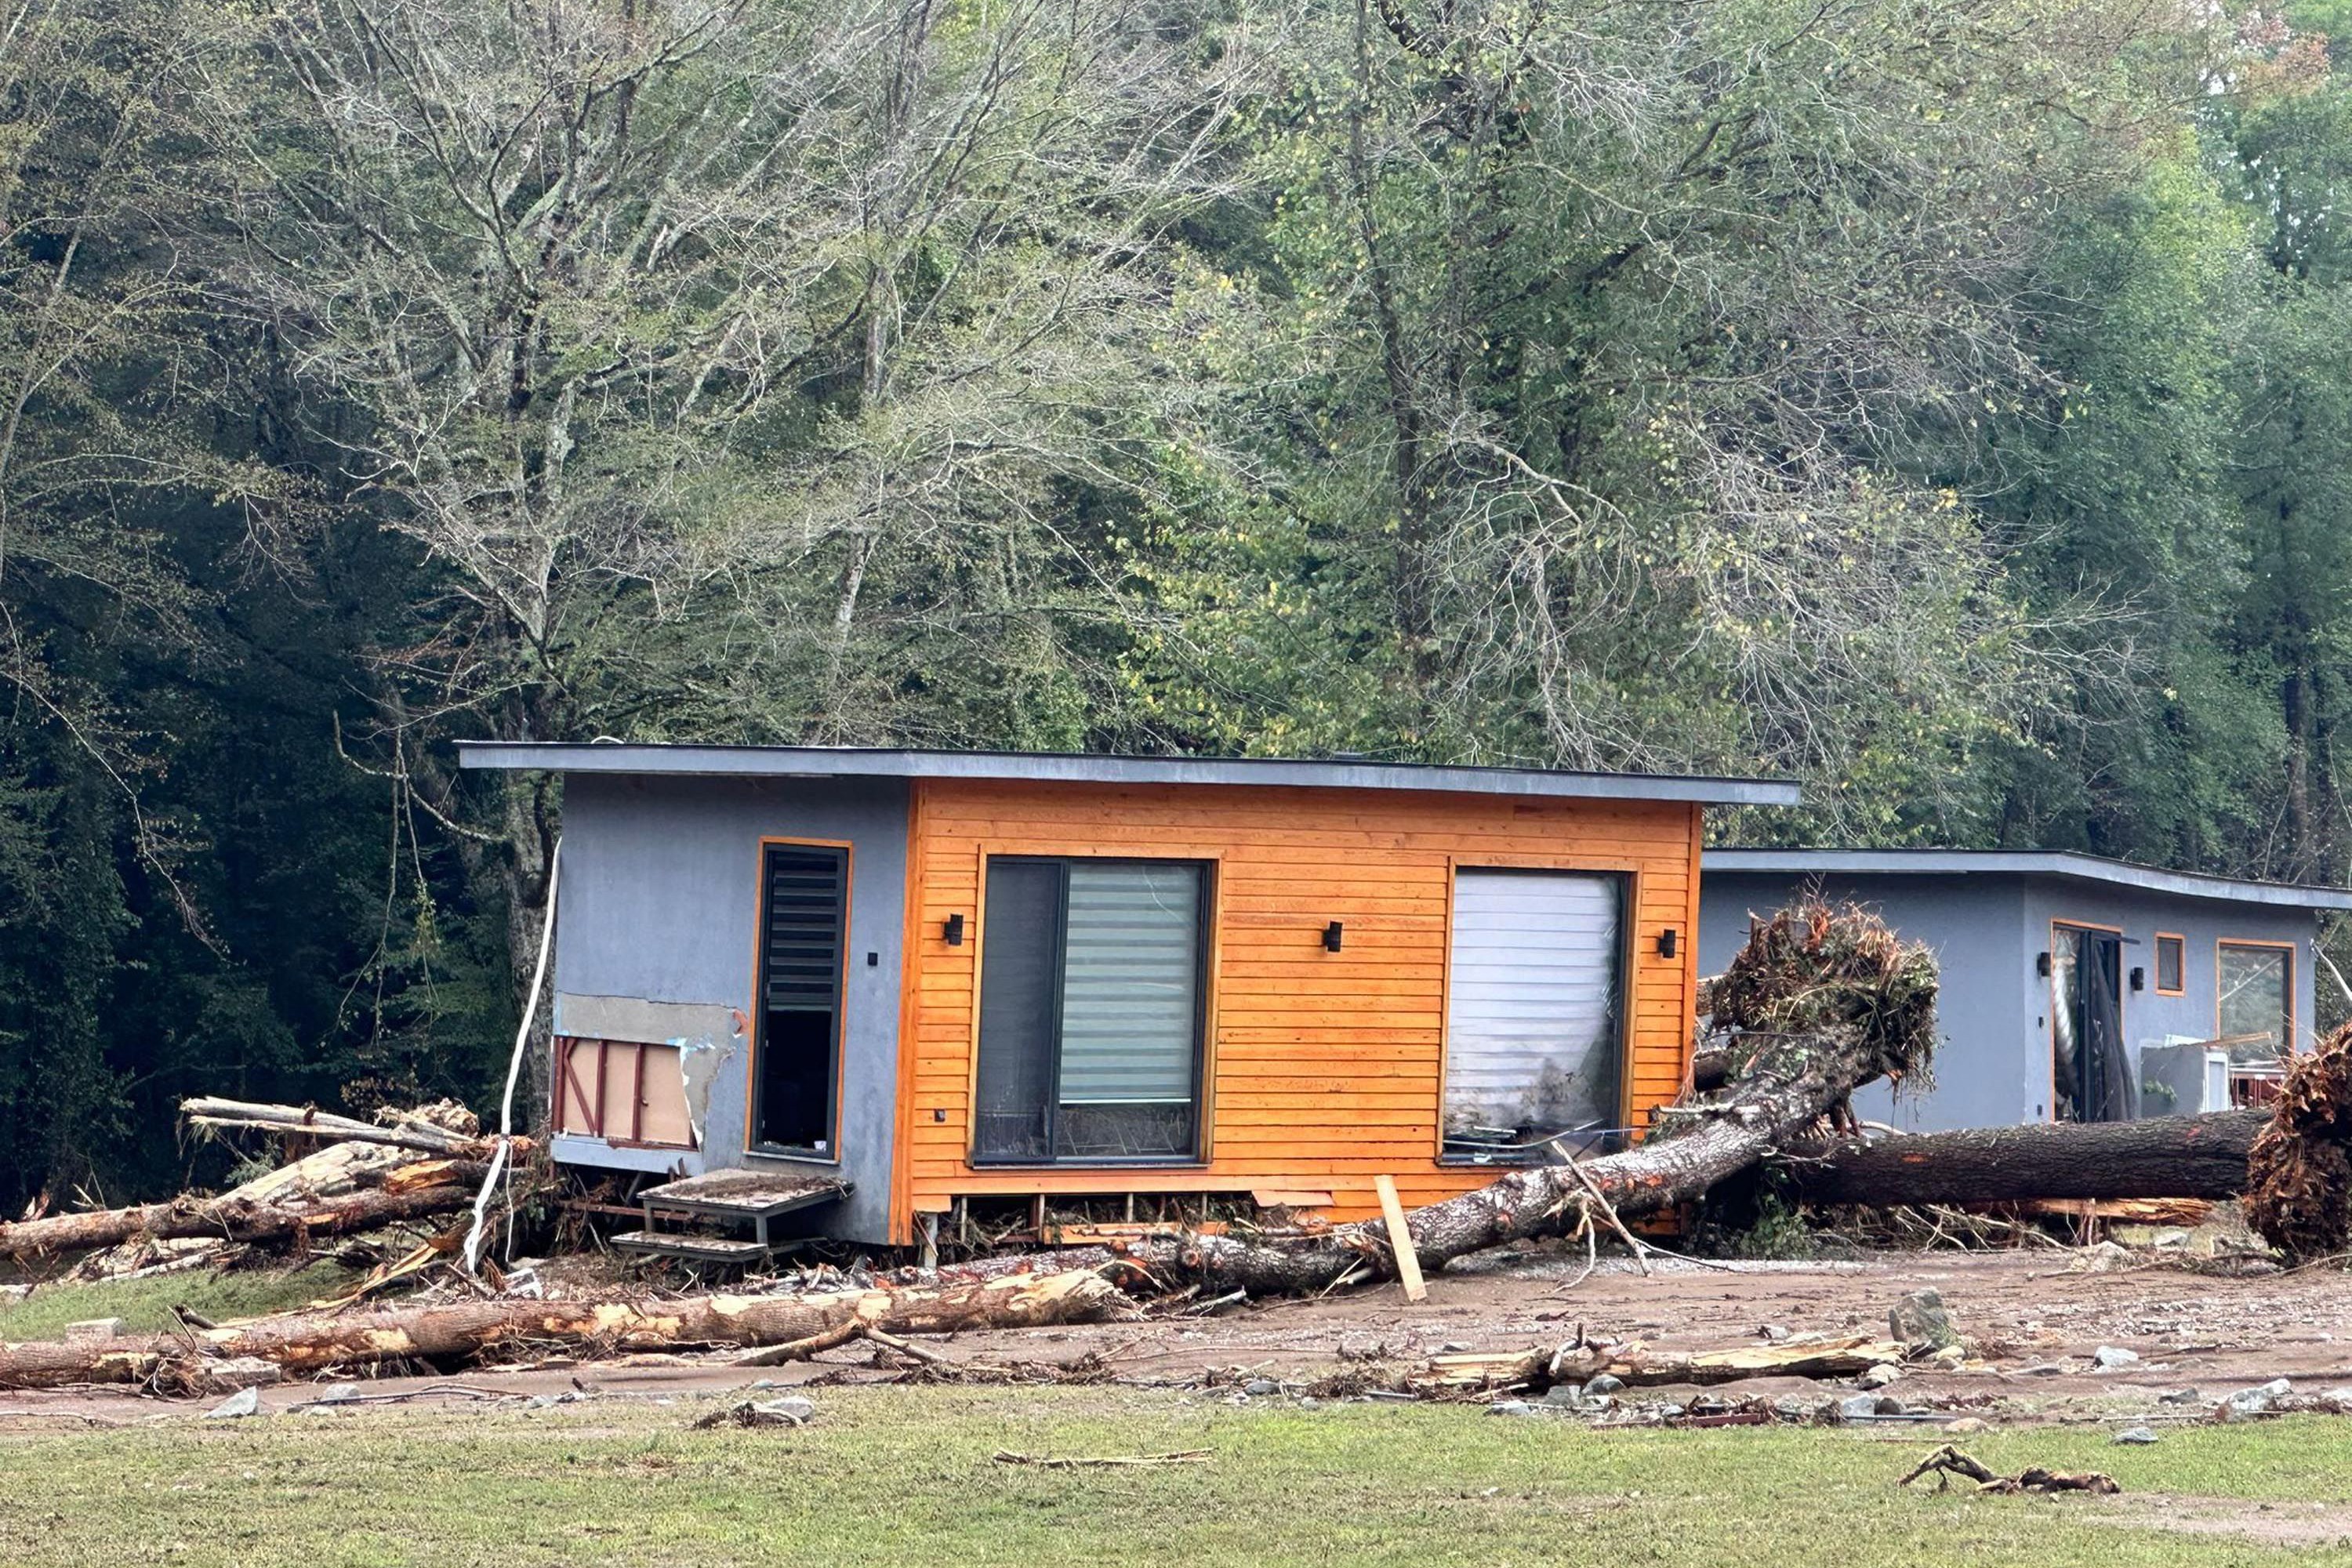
[(1816, 967), (2298, 1175)]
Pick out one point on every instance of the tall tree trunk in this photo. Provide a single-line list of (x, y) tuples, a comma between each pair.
[(2160, 1157)]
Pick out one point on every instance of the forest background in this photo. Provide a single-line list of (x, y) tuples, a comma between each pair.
[(1947, 403)]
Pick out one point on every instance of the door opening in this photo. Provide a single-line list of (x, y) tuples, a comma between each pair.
[(2094, 1077), (803, 912)]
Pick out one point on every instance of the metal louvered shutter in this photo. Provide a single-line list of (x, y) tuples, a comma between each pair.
[(1533, 1044), (801, 947), (1131, 984)]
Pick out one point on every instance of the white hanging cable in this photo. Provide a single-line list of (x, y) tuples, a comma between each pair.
[(514, 1067)]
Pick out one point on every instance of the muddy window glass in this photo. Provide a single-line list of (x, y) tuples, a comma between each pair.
[(2257, 1018)]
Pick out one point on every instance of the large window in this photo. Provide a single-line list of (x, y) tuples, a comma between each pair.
[(1090, 1011), (1535, 1018), (2257, 1011)]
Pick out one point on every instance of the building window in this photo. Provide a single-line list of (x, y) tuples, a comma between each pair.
[(2257, 1008), (2171, 961), (1090, 1011), (1534, 1029)]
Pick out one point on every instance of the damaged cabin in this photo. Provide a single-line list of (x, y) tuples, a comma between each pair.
[(2075, 988), (858, 993)]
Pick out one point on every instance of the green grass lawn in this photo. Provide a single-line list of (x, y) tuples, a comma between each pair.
[(145, 1305), (903, 1475)]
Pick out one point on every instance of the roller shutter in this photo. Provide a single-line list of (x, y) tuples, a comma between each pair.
[(1534, 1044)]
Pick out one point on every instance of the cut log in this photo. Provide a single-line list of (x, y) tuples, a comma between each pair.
[(2160, 1157), (1636, 1364), (234, 1217), (462, 1333)]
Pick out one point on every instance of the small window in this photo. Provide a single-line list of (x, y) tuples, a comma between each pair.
[(2257, 1005), (1090, 1012), (2171, 955)]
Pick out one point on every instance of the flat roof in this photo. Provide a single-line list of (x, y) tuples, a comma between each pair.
[(2061, 863), (854, 762)]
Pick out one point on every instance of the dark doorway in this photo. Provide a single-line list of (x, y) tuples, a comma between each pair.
[(804, 906), (2087, 984)]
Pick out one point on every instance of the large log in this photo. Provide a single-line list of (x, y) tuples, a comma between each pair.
[(2160, 1157), (461, 1333), (412, 1129), (1637, 1365), (238, 1217)]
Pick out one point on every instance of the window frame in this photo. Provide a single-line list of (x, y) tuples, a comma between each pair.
[(2292, 1022), (1629, 959), (1203, 970), (757, 1019), (2180, 945)]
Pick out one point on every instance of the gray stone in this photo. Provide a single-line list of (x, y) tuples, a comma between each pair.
[(1261, 1388), (2179, 1397), (1309, 1401), (793, 1408), (2136, 1434), (95, 1329), (244, 1402), (1511, 1407), (1878, 1376), (340, 1394), (2108, 1358), (1857, 1406), (2248, 1403), (1921, 1322), (1567, 1394), (1604, 1383)]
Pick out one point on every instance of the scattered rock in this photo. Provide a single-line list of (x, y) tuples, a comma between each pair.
[(1950, 1358), (1878, 1376), (95, 1329), (1261, 1388), (2179, 1397), (2108, 1358), (10, 1294), (1773, 1334), (2248, 1403), (2105, 1258), (1857, 1407), (1309, 1401), (1604, 1383), (1567, 1394), (244, 1402), (2137, 1435), (1967, 1425), (1511, 1407), (1921, 1322)]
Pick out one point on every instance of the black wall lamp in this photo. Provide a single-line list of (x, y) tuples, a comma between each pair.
[(2042, 964), (1669, 942), (955, 930), (2139, 979), (1331, 934)]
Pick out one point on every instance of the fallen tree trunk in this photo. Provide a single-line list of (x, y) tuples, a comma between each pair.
[(1824, 1000), (410, 1131), (236, 1217), (462, 1333), (2160, 1157)]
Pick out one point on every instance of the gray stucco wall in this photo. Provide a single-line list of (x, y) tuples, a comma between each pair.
[(659, 902), (2149, 1017), (1994, 1066), (1982, 1077)]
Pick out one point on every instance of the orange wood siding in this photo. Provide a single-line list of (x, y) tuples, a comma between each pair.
[(1324, 1069)]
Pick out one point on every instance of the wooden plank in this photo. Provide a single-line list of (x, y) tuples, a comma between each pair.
[(1399, 1239)]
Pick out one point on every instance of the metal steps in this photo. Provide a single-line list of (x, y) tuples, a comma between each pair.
[(729, 1199)]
